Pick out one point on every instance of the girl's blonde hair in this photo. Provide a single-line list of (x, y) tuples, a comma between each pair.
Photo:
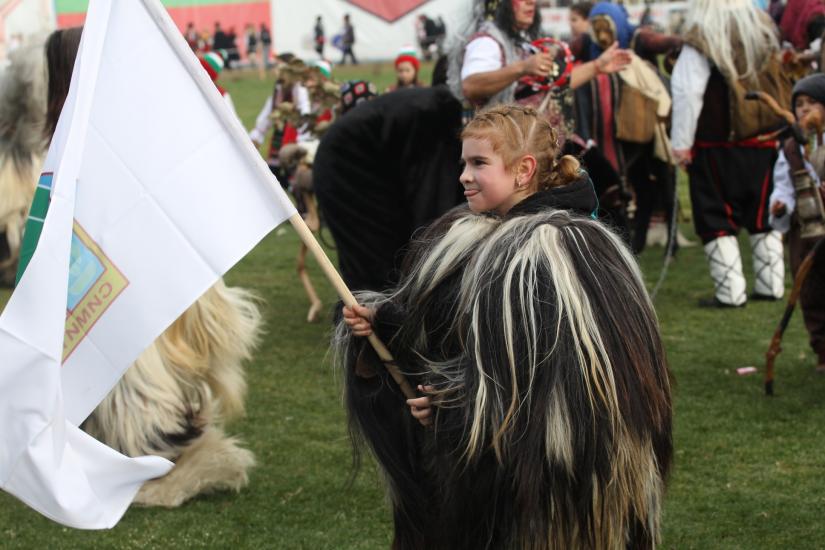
[(515, 131)]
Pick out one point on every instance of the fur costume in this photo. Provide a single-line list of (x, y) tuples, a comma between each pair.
[(174, 400), (730, 50), (391, 164), (22, 143), (552, 405)]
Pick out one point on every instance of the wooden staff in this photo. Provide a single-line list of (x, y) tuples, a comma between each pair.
[(775, 107), (238, 133), (775, 348)]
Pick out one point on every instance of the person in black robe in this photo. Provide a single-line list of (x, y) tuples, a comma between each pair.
[(385, 169)]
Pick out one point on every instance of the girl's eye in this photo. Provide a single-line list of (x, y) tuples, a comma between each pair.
[(479, 162)]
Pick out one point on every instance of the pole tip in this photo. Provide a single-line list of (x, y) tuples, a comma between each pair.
[(769, 388)]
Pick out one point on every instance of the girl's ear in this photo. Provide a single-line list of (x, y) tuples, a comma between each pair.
[(526, 169)]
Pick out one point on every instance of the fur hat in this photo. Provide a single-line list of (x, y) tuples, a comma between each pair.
[(813, 86)]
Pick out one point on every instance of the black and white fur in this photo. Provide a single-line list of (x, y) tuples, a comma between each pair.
[(552, 424)]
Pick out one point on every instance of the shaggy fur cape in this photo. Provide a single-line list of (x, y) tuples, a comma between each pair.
[(174, 400), (390, 162), (22, 144), (552, 424)]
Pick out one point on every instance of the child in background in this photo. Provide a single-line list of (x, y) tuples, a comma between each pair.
[(527, 325), (808, 101), (213, 63), (407, 66)]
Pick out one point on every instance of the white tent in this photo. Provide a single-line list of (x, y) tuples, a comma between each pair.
[(383, 27)]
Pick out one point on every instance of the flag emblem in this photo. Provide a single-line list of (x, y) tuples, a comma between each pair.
[(94, 283)]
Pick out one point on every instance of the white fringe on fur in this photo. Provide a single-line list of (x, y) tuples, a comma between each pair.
[(214, 462), (551, 391)]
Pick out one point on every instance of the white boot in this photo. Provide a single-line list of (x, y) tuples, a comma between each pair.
[(768, 265), (726, 270)]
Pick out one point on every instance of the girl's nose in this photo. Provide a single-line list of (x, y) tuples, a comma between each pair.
[(465, 176)]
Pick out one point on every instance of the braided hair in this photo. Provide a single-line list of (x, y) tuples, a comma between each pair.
[(515, 131)]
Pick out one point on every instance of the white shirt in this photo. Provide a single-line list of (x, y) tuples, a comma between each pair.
[(783, 190), (300, 95), (688, 83), (482, 55)]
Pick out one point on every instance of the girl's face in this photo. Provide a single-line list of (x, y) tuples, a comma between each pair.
[(805, 106), (405, 71), (523, 13), (488, 185), (578, 25)]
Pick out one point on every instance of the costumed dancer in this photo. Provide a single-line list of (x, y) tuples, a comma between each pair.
[(544, 425), (489, 66), (803, 22), (388, 162), (175, 399), (406, 70), (613, 198), (808, 101), (22, 146), (626, 113), (290, 90), (727, 143), (296, 160)]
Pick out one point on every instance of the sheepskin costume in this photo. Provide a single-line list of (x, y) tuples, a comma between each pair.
[(551, 396), (22, 144), (174, 401)]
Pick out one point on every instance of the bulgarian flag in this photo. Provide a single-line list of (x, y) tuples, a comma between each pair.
[(149, 195)]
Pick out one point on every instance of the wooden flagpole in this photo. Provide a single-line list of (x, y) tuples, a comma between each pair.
[(349, 300), (238, 133)]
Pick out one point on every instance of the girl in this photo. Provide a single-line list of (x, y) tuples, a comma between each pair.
[(551, 428), (406, 70)]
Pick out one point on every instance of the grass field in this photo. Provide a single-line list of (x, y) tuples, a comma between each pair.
[(748, 471)]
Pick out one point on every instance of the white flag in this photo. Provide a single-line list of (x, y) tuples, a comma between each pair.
[(156, 193)]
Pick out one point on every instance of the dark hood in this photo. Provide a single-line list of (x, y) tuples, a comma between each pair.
[(578, 197)]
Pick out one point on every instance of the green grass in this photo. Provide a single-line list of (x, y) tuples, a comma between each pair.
[(748, 470)]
